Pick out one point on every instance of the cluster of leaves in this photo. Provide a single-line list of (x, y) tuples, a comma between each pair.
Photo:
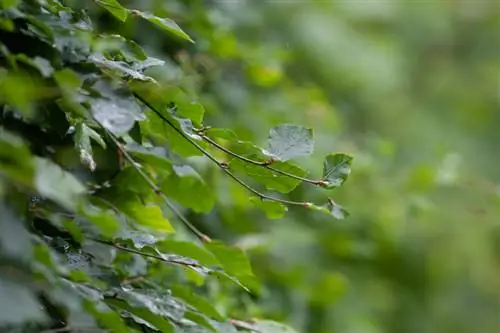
[(94, 166)]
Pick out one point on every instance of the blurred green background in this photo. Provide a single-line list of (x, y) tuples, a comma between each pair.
[(411, 89)]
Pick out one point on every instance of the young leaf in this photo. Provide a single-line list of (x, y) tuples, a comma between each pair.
[(165, 24), (114, 7), (290, 141), (273, 209), (336, 169)]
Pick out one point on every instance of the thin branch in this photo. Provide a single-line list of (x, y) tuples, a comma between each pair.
[(264, 164), (165, 260), (156, 189), (221, 165)]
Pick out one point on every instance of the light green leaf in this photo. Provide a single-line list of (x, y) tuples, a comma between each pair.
[(147, 215), (290, 141), (187, 249), (130, 49), (186, 187), (68, 80), (336, 169), (120, 68), (56, 184), (165, 24), (18, 304), (4, 4), (15, 158), (115, 8), (269, 326), (199, 303), (144, 313), (233, 260), (221, 133), (106, 221), (273, 209)]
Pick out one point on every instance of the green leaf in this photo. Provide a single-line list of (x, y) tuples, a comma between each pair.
[(41, 64), (186, 187), (331, 208), (106, 221), (15, 158), (271, 180), (118, 68), (290, 141), (147, 215), (199, 303), (68, 80), (56, 184), (221, 133), (116, 115), (269, 326), (4, 4), (336, 169), (200, 320), (165, 24), (18, 304), (233, 260), (144, 313), (273, 209), (115, 8), (105, 316), (187, 249), (130, 49)]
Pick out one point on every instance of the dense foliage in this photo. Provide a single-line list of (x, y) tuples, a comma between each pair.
[(97, 174), (408, 88)]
